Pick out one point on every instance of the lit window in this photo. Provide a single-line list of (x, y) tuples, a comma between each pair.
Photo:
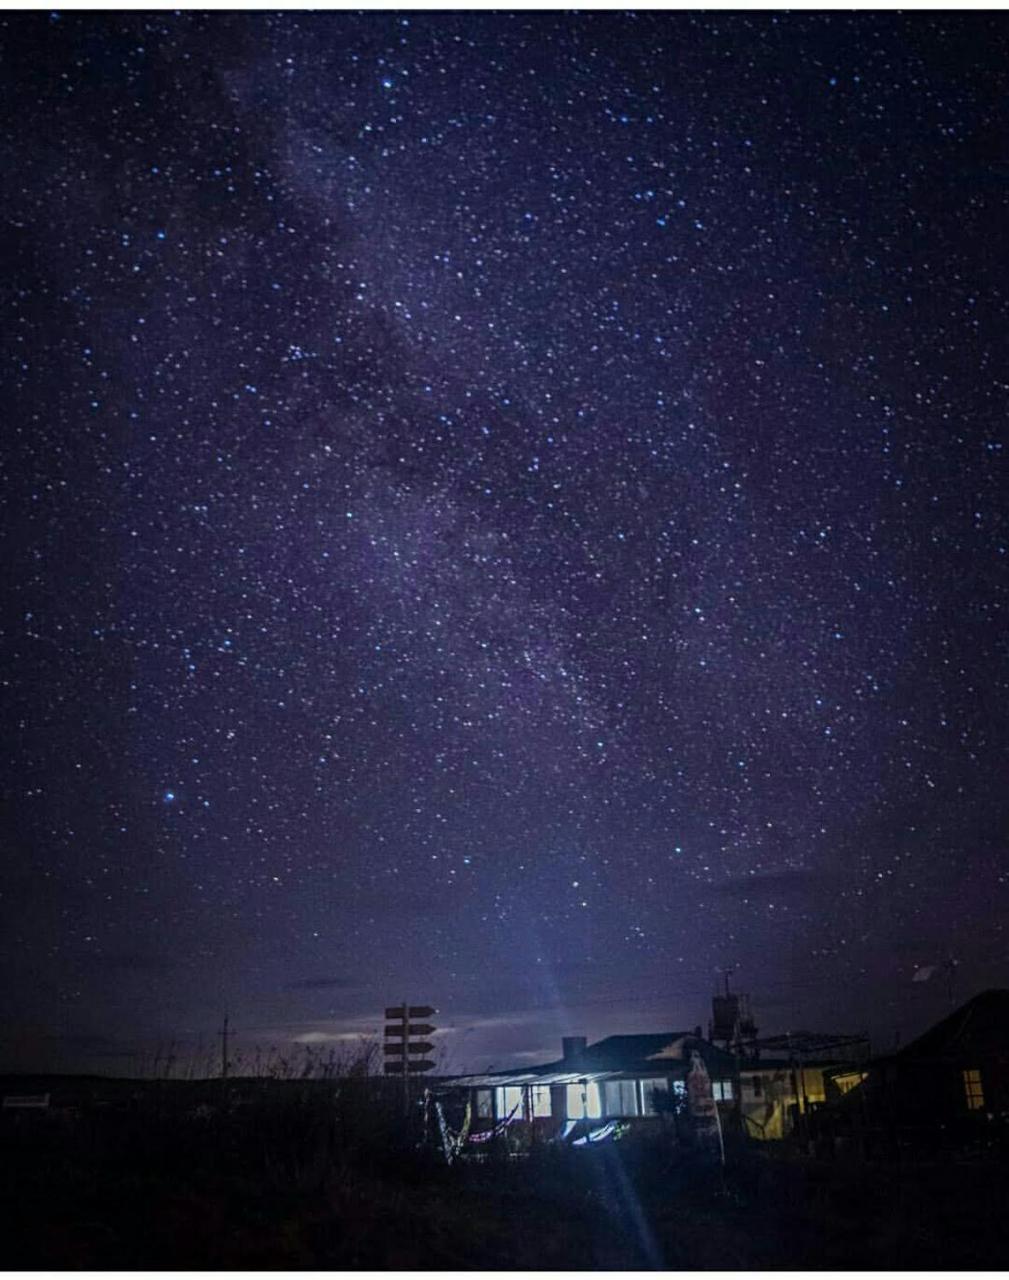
[(722, 1090), (649, 1088), (511, 1102), (621, 1098), (973, 1089), (851, 1080), (484, 1104), (539, 1097), (584, 1102)]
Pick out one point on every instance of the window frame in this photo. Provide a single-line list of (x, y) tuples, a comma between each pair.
[(540, 1105), (648, 1085), (625, 1087), (973, 1088), (586, 1089)]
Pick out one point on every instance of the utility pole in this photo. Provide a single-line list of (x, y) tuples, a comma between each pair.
[(223, 1033), (406, 1061)]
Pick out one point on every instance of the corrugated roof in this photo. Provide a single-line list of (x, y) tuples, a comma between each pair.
[(795, 1044), (499, 1080), (639, 1055)]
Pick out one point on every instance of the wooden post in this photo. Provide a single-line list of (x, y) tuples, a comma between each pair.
[(406, 1060)]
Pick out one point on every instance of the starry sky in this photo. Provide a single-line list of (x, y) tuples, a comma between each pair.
[(504, 511)]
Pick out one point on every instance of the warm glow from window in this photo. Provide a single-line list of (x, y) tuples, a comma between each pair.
[(584, 1102), (848, 1082), (973, 1089)]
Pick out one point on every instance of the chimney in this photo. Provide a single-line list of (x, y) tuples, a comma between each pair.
[(573, 1047)]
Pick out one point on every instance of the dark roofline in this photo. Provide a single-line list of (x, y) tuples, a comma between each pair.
[(940, 1040), (789, 1064), (589, 1058)]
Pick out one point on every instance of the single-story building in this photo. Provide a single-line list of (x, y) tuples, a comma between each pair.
[(626, 1080)]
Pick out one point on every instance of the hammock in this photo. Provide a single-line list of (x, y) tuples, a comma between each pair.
[(452, 1143), (611, 1130), (498, 1129)]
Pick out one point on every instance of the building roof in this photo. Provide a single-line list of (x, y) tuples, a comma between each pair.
[(979, 1028), (649, 1054), (538, 1075), (657, 1049), (808, 1047), (616, 1051)]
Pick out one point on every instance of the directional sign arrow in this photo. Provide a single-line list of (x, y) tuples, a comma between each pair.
[(414, 1029), (401, 1046), (413, 1011)]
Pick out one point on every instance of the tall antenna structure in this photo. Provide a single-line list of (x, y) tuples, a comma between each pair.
[(949, 966), (731, 1023), (950, 970)]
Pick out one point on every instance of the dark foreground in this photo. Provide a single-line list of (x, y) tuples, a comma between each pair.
[(299, 1178)]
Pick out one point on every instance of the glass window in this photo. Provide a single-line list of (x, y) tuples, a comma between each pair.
[(511, 1101), (973, 1088), (649, 1088), (621, 1098), (484, 1104), (539, 1098), (584, 1102), (722, 1090)]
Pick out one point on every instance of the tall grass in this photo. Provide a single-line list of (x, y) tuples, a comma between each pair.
[(312, 1160)]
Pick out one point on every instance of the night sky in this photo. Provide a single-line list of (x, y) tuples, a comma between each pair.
[(504, 511)]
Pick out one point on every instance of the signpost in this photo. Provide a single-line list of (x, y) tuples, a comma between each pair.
[(402, 1048)]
